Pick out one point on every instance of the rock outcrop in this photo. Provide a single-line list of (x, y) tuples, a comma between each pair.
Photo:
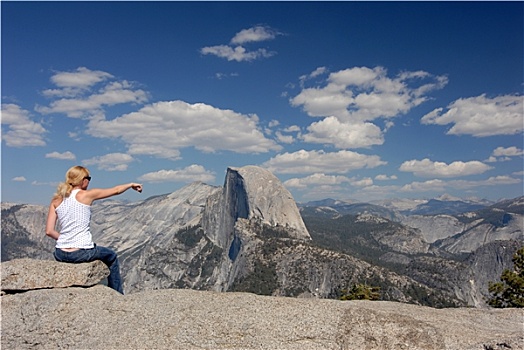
[(30, 274), (268, 200), (251, 193), (99, 318)]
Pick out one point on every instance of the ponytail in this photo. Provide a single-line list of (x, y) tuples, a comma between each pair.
[(74, 177), (63, 190)]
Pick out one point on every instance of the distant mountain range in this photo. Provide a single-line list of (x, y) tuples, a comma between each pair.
[(435, 206), (467, 246)]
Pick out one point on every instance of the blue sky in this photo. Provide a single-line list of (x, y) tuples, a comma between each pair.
[(346, 100)]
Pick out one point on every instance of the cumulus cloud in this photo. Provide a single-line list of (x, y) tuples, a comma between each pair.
[(501, 154), (429, 168), (351, 99), (481, 116), (344, 135), (189, 174), (84, 92), (303, 162), (236, 52), (62, 156), (163, 128), (110, 162), (73, 83), (254, 34), (19, 179), (364, 94), (509, 152), (21, 130)]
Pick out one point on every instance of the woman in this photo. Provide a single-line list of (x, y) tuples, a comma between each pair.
[(71, 209)]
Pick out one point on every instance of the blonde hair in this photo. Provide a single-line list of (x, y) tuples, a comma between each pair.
[(74, 177)]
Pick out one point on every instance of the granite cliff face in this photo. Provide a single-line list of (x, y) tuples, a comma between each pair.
[(192, 237), (23, 232)]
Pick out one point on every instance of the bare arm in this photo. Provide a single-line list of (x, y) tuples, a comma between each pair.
[(50, 227), (89, 196)]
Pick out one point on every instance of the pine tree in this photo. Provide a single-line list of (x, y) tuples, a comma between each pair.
[(361, 292), (509, 292)]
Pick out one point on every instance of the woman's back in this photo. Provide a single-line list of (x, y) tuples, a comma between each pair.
[(74, 218)]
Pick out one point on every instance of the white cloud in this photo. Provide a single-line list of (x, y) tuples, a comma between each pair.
[(78, 98), (62, 156), (189, 174), (320, 185), (110, 162), (284, 138), (71, 84), (481, 116), (500, 180), (352, 98), (302, 162), (501, 154), (363, 182), (239, 53), (317, 72), (364, 94), (382, 177), (317, 179), (163, 128), (493, 159), (81, 78), (509, 152), (435, 185), (254, 34), (292, 128), (19, 179), (429, 168), (21, 130), (344, 135), (273, 123)]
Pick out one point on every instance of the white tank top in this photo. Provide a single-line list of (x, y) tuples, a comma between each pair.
[(73, 220)]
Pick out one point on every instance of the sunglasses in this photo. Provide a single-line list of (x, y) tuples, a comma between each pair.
[(88, 178)]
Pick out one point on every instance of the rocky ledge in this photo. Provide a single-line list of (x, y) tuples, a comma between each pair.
[(83, 317), (29, 274)]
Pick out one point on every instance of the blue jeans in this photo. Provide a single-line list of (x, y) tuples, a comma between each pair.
[(106, 255)]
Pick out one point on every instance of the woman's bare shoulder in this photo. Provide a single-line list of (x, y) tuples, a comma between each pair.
[(56, 201)]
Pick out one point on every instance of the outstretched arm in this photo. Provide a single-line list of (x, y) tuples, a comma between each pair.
[(89, 196)]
